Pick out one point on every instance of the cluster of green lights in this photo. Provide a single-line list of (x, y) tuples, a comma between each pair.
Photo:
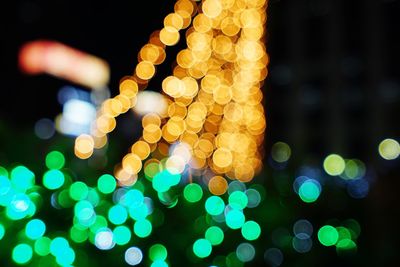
[(101, 214), (343, 237), (16, 193), (106, 224), (107, 216), (230, 216)]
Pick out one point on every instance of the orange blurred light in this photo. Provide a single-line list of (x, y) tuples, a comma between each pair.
[(64, 62)]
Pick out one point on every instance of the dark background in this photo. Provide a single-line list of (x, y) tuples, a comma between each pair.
[(333, 87)]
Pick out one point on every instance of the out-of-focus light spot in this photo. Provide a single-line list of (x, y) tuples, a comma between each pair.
[(389, 149), (79, 235), (139, 212), (69, 92), (20, 203), (133, 256), (354, 226), (76, 118), (131, 198), (182, 150), (150, 102), (141, 149), (55, 160), (302, 243), (235, 219), (44, 128), (122, 235), (238, 200), (145, 70), (159, 263), (64, 62), (131, 164), (310, 190), (35, 229), (3, 171), (104, 239), (245, 252), (236, 186), (222, 157), (175, 164), (5, 186), (66, 257), (251, 230), (58, 245), (158, 252), (163, 180), (84, 146), (254, 198), (78, 191), (193, 192), (106, 184), (42, 246), (151, 169), (280, 152), (22, 178), (212, 8), (202, 248), (22, 253), (2, 231), (334, 165), (215, 235), (99, 223), (142, 228), (343, 232), (358, 188), (328, 235), (274, 257), (214, 205), (303, 227), (218, 185), (93, 197), (354, 169), (53, 179), (346, 247), (117, 214), (84, 210)]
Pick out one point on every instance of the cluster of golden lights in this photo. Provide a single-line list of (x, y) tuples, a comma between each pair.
[(215, 119)]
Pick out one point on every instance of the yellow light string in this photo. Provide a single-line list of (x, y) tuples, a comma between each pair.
[(150, 55)]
